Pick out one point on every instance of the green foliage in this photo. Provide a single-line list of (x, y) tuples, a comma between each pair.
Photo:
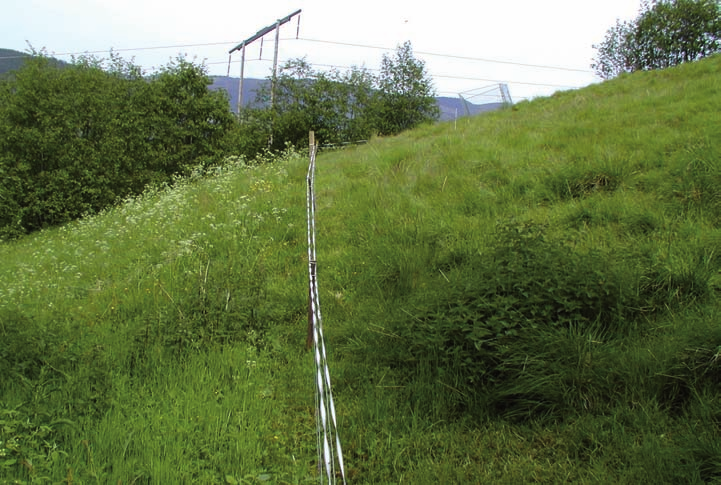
[(189, 122), (334, 105), (666, 33), (341, 108), (75, 139), (614, 53), (672, 32), (27, 347), (405, 96), (525, 285), (517, 317), (27, 446)]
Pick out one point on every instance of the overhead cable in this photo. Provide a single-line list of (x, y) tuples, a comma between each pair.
[(450, 56)]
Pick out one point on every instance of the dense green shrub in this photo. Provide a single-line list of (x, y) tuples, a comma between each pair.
[(334, 105), (526, 282), (340, 107), (405, 95), (190, 122), (76, 138)]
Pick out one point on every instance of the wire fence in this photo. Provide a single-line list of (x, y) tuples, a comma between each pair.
[(330, 455)]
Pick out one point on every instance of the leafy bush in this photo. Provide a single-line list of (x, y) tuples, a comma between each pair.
[(27, 445), (76, 138), (190, 122), (405, 93), (666, 33), (502, 327), (340, 107)]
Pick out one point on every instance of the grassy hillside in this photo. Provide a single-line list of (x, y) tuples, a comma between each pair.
[(527, 296)]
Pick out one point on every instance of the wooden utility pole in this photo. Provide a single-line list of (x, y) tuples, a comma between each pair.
[(242, 75), (275, 64), (253, 38)]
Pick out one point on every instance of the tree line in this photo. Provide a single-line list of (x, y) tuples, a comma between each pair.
[(78, 137), (341, 107), (665, 33)]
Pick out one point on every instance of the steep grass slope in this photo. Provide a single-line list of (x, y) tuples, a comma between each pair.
[(529, 296)]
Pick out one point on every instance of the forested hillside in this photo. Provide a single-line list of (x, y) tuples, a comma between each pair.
[(10, 60)]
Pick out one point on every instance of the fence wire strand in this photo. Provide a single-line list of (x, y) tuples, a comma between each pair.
[(330, 454)]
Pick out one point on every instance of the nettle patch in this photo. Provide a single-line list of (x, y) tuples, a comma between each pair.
[(509, 313)]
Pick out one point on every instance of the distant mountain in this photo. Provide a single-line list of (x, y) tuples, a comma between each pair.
[(232, 85), (11, 60), (451, 108)]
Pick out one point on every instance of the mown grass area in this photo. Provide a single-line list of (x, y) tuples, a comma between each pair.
[(529, 296)]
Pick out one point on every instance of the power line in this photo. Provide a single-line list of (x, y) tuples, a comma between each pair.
[(128, 49), (444, 76), (333, 66), (450, 56), (331, 42), (350, 44)]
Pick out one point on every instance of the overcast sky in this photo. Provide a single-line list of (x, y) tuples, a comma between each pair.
[(500, 41)]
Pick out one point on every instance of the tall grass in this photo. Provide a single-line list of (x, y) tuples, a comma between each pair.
[(525, 296)]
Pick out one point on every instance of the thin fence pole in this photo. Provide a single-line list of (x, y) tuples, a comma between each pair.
[(330, 454)]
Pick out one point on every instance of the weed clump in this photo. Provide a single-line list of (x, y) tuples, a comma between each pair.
[(522, 325), (573, 182)]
